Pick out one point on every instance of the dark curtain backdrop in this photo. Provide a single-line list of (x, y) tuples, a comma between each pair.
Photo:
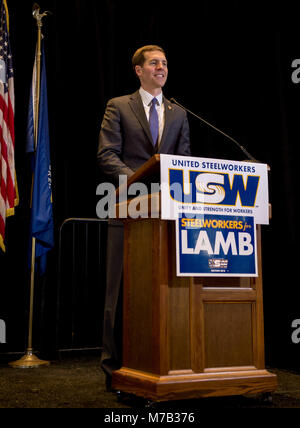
[(230, 62)]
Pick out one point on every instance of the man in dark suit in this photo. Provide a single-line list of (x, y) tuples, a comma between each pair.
[(134, 128)]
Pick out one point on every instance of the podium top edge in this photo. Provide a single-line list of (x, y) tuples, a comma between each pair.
[(148, 169), (145, 169)]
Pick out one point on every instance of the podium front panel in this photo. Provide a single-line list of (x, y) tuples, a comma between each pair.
[(182, 334)]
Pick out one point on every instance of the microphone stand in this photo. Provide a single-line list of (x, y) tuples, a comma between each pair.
[(249, 156)]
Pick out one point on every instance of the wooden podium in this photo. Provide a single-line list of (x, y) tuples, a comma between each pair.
[(185, 337)]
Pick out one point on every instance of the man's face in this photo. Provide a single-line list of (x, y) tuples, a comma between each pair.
[(154, 72)]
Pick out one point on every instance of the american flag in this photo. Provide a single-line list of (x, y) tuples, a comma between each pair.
[(8, 187)]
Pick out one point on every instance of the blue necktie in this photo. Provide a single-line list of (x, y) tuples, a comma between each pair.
[(153, 121)]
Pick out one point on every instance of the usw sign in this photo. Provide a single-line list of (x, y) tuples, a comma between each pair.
[(213, 186)]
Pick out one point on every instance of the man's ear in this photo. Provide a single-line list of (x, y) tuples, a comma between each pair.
[(138, 70)]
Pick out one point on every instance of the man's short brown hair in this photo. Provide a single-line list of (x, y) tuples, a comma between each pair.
[(139, 57)]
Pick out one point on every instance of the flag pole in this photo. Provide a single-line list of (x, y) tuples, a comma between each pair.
[(29, 359)]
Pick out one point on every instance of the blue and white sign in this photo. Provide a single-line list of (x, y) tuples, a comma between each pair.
[(213, 245), (213, 186)]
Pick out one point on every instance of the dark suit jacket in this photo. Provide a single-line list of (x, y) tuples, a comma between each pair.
[(125, 142)]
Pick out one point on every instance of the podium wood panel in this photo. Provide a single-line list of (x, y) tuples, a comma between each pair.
[(187, 337)]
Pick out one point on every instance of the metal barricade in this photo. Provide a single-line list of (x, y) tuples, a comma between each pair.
[(81, 284)]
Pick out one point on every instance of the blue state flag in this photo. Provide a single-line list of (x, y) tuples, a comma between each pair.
[(41, 224)]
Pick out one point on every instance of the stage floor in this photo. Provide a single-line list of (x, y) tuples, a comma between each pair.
[(79, 383)]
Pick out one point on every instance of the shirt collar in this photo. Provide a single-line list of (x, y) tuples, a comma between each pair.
[(147, 98)]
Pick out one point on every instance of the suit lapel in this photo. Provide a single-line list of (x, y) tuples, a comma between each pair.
[(137, 107), (168, 121)]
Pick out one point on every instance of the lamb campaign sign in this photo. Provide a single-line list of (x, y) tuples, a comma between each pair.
[(213, 186), (213, 245)]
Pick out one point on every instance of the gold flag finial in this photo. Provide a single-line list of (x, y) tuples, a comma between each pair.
[(39, 16)]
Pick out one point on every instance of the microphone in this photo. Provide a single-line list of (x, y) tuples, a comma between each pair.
[(249, 156)]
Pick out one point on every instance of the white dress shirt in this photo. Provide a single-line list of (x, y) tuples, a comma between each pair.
[(160, 108)]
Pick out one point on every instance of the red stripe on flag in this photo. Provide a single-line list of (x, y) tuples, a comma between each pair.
[(4, 155), (2, 225), (8, 116)]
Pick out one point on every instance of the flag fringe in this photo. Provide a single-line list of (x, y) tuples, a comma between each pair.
[(2, 246), (10, 212), (7, 15)]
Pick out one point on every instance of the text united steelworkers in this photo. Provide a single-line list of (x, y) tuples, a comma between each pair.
[(213, 166)]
